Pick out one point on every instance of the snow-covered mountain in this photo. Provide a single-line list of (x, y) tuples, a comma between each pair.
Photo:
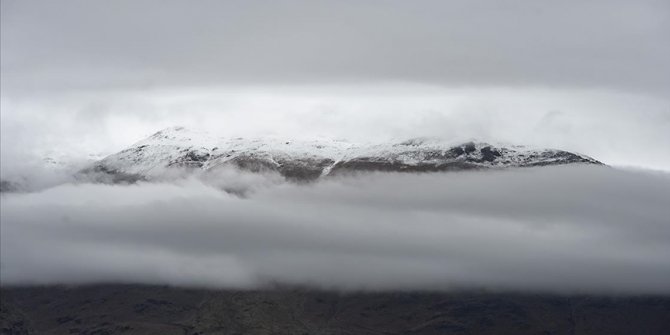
[(181, 148)]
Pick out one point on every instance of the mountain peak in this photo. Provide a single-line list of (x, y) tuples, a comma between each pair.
[(179, 147)]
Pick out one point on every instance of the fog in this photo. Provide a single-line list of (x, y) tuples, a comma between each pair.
[(613, 127), (85, 79), (570, 229), (92, 77)]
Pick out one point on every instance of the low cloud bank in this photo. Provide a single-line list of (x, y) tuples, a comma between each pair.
[(556, 229)]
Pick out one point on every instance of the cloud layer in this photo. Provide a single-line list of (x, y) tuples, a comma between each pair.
[(78, 44), (615, 128), (81, 77), (560, 229)]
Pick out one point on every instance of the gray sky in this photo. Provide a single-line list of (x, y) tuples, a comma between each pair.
[(84, 44), (95, 76)]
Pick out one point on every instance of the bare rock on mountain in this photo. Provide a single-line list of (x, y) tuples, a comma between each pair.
[(306, 160)]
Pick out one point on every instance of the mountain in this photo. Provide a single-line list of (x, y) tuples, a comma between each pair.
[(38, 171), (139, 309), (305, 160)]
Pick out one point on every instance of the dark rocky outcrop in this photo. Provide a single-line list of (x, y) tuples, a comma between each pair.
[(305, 161), (105, 175)]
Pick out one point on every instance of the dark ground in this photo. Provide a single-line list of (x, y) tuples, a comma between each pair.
[(132, 309)]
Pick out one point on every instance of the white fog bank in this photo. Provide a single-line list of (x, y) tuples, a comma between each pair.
[(555, 229)]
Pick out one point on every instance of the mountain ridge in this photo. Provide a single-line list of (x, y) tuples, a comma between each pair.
[(308, 160)]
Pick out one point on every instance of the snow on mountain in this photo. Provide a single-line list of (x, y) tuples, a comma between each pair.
[(178, 147), (41, 170)]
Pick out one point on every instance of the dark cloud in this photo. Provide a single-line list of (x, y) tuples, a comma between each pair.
[(560, 229)]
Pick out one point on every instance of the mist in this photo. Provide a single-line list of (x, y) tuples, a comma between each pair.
[(569, 229), (617, 128), (82, 78)]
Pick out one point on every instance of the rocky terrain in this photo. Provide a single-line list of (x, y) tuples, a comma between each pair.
[(182, 149), (177, 151), (130, 309)]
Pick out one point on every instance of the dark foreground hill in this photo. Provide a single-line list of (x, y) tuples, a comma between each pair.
[(126, 309)]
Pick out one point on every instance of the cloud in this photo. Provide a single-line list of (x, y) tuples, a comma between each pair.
[(95, 76), (95, 44), (556, 229), (616, 128)]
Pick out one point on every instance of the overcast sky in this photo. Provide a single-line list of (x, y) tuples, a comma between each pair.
[(82, 77)]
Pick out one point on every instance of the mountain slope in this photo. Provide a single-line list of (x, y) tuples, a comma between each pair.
[(180, 148), (136, 309)]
